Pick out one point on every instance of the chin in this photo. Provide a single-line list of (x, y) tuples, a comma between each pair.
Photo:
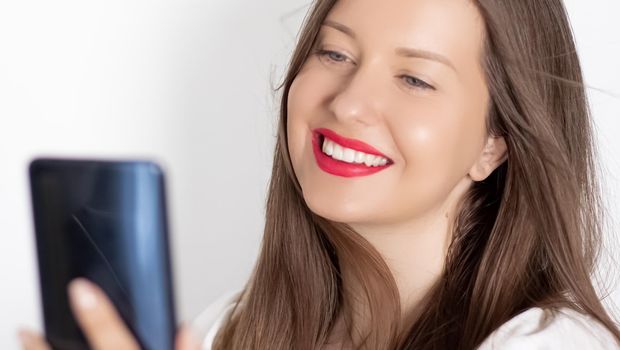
[(337, 211)]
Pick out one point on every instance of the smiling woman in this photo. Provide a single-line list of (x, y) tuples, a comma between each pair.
[(433, 186)]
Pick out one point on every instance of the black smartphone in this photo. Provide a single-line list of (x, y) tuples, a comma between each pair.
[(105, 221)]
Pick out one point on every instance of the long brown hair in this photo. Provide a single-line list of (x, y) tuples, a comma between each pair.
[(527, 236)]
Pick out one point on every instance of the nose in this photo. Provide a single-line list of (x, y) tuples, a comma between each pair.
[(358, 98)]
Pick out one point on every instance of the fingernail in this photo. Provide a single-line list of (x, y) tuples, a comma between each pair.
[(83, 294), (25, 338)]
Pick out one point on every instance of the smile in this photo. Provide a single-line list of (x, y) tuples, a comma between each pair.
[(346, 157)]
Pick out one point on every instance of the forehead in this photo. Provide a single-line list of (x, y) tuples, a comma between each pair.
[(453, 28)]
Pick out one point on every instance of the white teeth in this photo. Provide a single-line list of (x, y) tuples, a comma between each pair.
[(348, 155), (338, 152), (351, 156), (359, 157), (328, 148)]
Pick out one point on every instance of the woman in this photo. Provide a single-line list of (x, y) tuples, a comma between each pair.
[(433, 187)]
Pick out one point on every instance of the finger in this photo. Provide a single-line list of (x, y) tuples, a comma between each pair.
[(32, 341), (186, 340), (98, 318)]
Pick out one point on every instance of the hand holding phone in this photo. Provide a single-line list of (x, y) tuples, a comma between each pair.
[(101, 324), (104, 221)]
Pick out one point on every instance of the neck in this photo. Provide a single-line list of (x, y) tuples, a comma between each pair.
[(415, 252)]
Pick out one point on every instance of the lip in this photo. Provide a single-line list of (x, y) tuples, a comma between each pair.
[(339, 168), (350, 143)]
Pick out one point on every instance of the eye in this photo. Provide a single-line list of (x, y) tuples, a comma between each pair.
[(415, 83), (330, 55)]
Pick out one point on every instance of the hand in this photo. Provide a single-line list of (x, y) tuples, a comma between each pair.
[(100, 323)]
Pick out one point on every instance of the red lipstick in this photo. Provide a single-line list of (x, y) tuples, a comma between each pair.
[(340, 168)]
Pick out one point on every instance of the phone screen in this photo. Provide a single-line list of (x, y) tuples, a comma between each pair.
[(105, 221)]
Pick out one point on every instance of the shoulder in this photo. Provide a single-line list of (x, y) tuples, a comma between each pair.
[(566, 330), (207, 323)]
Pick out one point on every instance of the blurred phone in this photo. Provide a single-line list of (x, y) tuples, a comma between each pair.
[(105, 221)]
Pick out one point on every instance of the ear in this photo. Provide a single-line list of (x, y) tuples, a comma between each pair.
[(493, 155)]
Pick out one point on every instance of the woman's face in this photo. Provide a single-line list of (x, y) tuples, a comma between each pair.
[(398, 90)]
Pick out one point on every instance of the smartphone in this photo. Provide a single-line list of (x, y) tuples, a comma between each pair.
[(105, 221)]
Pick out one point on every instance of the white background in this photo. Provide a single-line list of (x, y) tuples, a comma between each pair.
[(186, 83)]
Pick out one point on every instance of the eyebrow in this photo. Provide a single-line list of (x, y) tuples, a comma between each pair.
[(401, 51), (341, 27)]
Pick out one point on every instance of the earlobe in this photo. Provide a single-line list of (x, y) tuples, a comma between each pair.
[(494, 153)]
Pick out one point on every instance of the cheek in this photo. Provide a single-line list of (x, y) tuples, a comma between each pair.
[(438, 146), (301, 101), (306, 109)]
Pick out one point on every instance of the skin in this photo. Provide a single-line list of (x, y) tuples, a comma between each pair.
[(100, 323), (436, 136), (365, 90)]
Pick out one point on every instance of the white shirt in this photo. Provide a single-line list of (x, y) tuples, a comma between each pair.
[(569, 330)]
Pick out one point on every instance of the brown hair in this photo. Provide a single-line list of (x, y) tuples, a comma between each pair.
[(527, 236)]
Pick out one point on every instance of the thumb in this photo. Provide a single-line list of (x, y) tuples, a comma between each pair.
[(186, 340)]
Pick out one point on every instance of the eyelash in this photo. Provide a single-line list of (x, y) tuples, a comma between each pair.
[(417, 83)]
